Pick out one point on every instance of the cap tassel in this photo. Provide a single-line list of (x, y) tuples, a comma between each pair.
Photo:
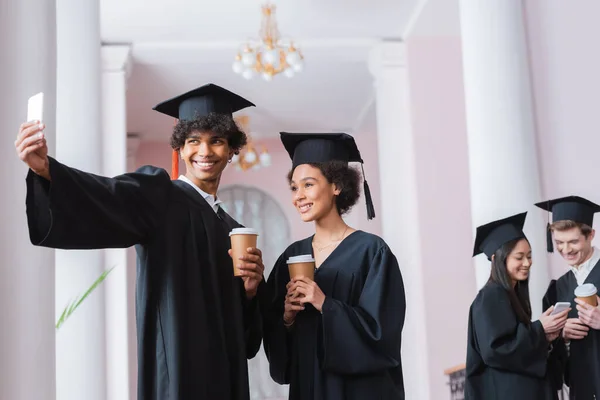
[(549, 243), (368, 198), (175, 159), (174, 165), (370, 208)]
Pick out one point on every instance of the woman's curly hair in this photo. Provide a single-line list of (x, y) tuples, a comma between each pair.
[(344, 177), (219, 124)]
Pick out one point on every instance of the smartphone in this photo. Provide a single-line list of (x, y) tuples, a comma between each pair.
[(35, 107), (560, 307)]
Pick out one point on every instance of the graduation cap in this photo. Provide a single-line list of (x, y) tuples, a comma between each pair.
[(570, 208), (199, 103), (490, 237), (309, 148)]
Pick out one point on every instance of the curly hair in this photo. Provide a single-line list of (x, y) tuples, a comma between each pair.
[(219, 124), (345, 178)]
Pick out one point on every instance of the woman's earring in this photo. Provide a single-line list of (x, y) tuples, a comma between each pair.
[(230, 160)]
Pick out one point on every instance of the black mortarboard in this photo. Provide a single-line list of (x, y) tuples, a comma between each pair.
[(202, 101), (490, 237), (308, 148), (570, 208), (199, 103)]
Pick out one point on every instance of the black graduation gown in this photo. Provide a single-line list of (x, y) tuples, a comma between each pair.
[(195, 327), (506, 359), (582, 365), (352, 350), (558, 355)]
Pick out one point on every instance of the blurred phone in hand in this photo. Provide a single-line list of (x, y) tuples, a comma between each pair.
[(35, 108)]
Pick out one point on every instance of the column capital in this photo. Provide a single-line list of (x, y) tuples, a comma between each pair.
[(116, 58), (387, 54)]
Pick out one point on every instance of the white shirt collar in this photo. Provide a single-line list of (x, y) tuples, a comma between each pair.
[(582, 271), (212, 201)]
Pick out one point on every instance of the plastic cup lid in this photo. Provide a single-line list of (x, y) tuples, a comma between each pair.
[(301, 259), (243, 231), (587, 289)]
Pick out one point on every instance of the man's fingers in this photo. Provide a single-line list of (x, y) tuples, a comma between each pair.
[(248, 266), (259, 269), (27, 124), (32, 130), (250, 258), (251, 274), (574, 328), (24, 141), (31, 140), (576, 336), (254, 250), (578, 328), (251, 265), (23, 154)]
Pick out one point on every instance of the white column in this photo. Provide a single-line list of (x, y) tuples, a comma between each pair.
[(28, 66), (399, 203), (115, 71), (80, 343), (500, 123)]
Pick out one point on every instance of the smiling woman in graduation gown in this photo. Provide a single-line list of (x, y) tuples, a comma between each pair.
[(195, 326), (345, 344), (507, 353)]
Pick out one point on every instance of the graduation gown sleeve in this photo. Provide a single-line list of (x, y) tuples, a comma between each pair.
[(277, 338), (504, 342), (557, 360), (79, 210), (365, 337), (252, 321)]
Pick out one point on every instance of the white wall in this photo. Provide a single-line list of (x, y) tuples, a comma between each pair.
[(565, 63)]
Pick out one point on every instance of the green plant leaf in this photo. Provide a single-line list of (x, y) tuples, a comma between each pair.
[(75, 303)]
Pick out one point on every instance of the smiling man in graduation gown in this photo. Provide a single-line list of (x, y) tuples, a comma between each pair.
[(196, 323), (577, 353)]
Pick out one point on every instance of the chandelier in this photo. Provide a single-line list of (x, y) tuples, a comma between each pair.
[(249, 158), (271, 55)]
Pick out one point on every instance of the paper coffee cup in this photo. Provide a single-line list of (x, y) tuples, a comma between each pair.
[(303, 265), (241, 239), (587, 292)]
